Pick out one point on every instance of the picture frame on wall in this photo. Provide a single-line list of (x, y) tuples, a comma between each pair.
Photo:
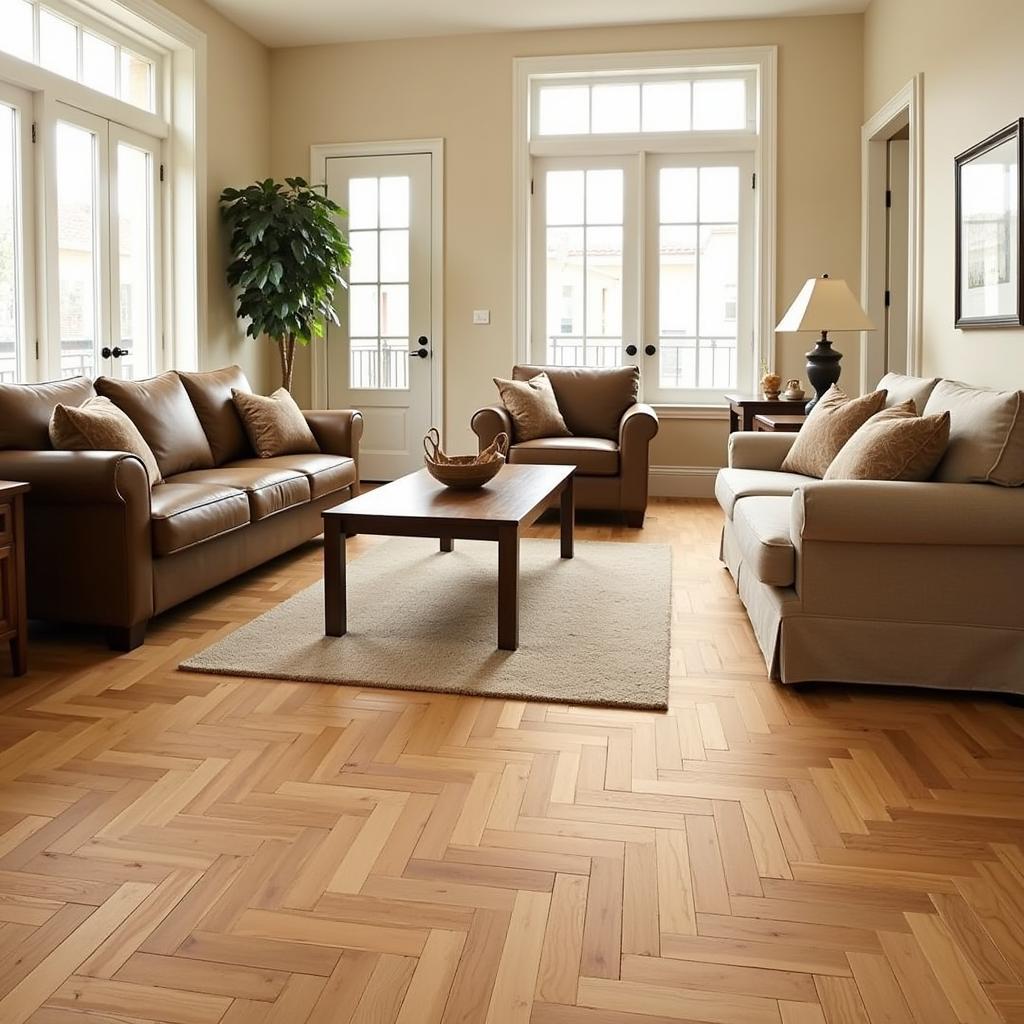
[(989, 196)]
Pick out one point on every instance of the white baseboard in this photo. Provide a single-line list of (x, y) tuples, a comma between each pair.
[(682, 481)]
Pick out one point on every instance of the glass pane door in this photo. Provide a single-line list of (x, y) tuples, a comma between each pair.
[(134, 223), (584, 285)]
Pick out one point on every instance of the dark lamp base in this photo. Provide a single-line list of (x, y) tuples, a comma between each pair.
[(822, 368)]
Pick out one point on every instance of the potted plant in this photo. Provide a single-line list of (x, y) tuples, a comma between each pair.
[(287, 259)]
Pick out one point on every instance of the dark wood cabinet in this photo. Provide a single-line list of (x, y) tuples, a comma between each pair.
[(743, 409), (13, 606)]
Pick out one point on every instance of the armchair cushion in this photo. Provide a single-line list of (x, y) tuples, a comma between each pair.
[(592, 399), (25, 410), (210, 394), (161, 409), (733, 484), (592, 456), (533, 408)]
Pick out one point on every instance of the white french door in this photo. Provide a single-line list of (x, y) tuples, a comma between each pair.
[(102, 248), (646, 260), (378, 359)]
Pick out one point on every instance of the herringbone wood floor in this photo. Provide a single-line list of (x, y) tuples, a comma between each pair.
[(194, 849)]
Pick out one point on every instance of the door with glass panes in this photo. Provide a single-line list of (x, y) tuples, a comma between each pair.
[(103, 248), (379, 356), (646, 261)]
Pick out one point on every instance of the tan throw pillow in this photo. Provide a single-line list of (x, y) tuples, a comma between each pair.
[(986, 434), (832, 422), (895, 444), (97, 425), (275, 425), (533, 408)]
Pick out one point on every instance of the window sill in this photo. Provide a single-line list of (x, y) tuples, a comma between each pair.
[(692, 412)]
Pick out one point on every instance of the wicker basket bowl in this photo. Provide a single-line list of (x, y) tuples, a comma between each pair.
[(463, 472)]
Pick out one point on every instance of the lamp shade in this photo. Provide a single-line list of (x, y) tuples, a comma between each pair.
[(825, 304)]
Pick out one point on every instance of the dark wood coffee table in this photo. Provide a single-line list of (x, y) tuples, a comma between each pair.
[(418, 506)]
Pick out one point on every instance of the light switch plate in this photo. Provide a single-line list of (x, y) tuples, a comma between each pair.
[(481, 316)]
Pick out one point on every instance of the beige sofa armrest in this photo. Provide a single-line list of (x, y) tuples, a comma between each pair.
[(759, 450), (897, 512), (489, 422)]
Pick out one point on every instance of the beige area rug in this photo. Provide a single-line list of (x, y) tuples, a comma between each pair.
[(592, 630)]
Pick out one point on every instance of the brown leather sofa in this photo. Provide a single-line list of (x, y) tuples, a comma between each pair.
[(105, 549), (611, 435)]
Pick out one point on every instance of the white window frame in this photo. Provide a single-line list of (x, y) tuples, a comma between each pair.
[(761, 61), (179, 53)]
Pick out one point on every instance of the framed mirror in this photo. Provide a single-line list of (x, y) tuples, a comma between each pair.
[(989, 253)]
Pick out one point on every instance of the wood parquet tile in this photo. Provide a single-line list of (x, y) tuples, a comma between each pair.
[(202, 850)]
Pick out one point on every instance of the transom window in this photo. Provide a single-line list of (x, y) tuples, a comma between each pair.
[(647, 226), (56, 39)]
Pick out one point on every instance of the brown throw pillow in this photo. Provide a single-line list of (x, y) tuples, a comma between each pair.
[(275, 425), (895, 444), (99, 426), (832, 422), (533, 408)]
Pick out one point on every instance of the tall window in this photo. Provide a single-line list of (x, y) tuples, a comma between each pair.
[(645, 219)]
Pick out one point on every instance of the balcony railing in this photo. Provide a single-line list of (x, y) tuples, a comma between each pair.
[(385, 369), (573, 350)]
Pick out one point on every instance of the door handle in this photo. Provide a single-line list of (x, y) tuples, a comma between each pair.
[(421, 352), (649, 350), (116, 352), (631, 350)]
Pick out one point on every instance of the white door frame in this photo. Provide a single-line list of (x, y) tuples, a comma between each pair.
[(318, 175), (904, 110)]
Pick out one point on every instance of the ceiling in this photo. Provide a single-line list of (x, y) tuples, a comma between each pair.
[(305, 22)]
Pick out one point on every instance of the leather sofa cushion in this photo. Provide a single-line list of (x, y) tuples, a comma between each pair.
[(269, 490), (761, 527), (184, 514), (326, 473), (210, 394), (592, 400), (25, 410), (592, 456), (733, 484), (160, 408)]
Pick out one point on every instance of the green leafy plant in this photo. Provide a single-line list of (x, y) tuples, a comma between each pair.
[(287, 259)]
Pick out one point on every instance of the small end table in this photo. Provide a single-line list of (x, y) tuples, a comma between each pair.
[(772, 424), (13, 605), (743, 409)]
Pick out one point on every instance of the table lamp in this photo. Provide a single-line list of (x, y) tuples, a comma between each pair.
[(824, 304)]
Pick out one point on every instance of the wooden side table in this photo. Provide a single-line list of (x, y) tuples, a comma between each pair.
[(743, 409), (13, 605), (773, 424)]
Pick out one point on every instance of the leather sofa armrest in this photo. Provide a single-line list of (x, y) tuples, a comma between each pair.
[(75, 478), (639, 424), (899, 512), (759, 450), (489, 422), (337, 431)]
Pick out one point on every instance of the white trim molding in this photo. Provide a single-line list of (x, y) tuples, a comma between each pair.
[(904, 110), (682, 481), (434, 148), (692, 412), (760, 143)]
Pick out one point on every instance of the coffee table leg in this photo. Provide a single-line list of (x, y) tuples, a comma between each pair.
[(508, 589), (567, 517), (335, 600), (447, 543)]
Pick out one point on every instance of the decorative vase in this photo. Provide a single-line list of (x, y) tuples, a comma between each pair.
[(770, 385), (793, 392), (822, 368)]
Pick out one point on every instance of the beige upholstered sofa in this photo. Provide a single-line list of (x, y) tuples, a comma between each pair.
[(611, 435), (919, 584)]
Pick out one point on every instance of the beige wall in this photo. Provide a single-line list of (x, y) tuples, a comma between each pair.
[(460, 88), (238, 151), (970, 56)]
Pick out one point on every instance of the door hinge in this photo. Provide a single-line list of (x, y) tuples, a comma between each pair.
[(753, 180), (888, 298), (888, 198), (161, 172), (37, 348), (33, 131), (531, 186)]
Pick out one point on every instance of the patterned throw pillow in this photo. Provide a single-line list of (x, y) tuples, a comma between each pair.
[(895, 444), (533, 408), (275, 425), (832, 422), (97, 425)]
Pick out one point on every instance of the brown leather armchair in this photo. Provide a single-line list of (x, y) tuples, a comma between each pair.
[(611, 435)]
